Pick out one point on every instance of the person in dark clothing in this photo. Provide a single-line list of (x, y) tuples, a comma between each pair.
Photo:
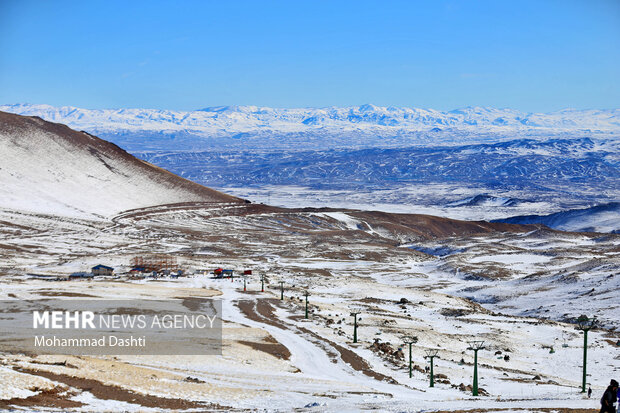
[(609, 398), (589, 392)]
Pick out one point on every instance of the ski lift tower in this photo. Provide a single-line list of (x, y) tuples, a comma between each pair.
[(475, 346), (306, 293), (585, 324), (354, 313), (410, 341), (431, 354), (281, 289)]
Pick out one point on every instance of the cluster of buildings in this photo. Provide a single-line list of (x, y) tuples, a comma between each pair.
[(97, 270), (222, 273), (154, 266)]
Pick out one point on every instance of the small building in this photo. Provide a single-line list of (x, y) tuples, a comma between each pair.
[(102, 270), (247, 272), (221, 273), (81, 275)]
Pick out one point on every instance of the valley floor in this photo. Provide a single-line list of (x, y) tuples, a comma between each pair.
[(513, 288)]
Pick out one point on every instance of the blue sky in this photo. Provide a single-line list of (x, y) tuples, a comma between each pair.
[(539, 55)]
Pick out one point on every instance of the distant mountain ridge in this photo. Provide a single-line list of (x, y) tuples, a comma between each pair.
[(486, 200), (250, 117), (350, 126), (599, 218)]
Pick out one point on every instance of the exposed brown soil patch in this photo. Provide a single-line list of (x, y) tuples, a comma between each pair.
[(270, 346), (373, 300), (431, 227), (316, 272), (196, 303), (57, 398), (259, 311), (238, 210), (265, 309), (110, 392)]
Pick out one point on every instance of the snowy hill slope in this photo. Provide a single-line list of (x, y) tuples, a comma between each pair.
[(600, 218), (49, 168), (311, 128)]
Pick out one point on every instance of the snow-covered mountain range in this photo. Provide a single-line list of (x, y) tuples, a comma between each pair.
[(314, 128), (247, 118)]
